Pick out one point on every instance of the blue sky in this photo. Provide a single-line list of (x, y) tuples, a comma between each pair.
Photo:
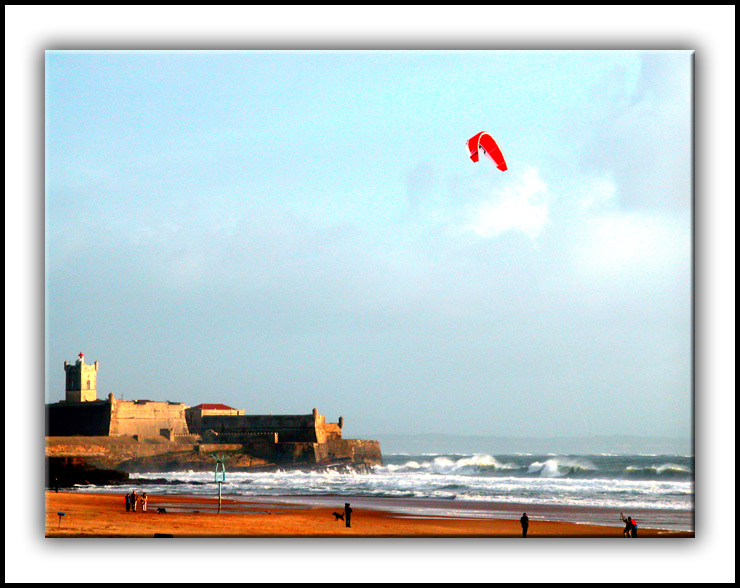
[(284, 230)]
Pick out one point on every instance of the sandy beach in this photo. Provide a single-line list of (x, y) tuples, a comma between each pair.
[(104, 515)]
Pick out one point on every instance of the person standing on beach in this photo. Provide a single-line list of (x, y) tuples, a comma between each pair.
[(133, 500), (628, 525), (633, 532), (128, 502), (143, 502), (347, 514), (524, 520)]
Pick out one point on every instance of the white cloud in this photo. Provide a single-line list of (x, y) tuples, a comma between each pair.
[(634, 247), (521, 206), (596, 193)]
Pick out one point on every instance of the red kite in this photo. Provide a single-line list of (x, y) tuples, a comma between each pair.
[(483, 141)]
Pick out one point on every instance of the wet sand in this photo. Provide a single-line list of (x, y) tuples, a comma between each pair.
[(104, 515)]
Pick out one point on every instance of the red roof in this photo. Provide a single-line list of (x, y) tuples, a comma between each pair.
[(214, 407)]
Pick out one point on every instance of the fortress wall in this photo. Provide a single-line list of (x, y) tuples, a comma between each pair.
[(194, 415), (319, 422), (110, 450), (354, 450), (171, 435), (257, 446), (78, 418), (332, 432), (367, 452), (219, 447), (290, 428), (280, 453), (147, 418), (300, 452)]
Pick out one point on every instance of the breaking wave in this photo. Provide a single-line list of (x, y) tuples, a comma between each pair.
[(473, 465), (664, 470), (559, 467)]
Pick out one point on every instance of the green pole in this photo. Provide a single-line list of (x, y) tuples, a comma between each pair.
[(220, 478)]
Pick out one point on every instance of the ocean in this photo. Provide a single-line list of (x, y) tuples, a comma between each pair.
[(658, 490)]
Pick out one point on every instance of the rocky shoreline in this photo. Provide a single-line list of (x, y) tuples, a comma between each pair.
[(67, 472)]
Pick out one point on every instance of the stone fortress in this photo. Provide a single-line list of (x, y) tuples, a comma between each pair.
[(136, 434)]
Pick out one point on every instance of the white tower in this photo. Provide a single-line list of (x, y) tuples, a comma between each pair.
[(81, 381)]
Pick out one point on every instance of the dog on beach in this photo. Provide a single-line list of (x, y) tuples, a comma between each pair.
[(338, 516), (161, 510)]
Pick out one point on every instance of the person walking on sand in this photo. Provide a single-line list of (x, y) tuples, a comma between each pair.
[(128, 502), (524, 520), (347, 514), (628, 525), (133, 500), (143, 502)]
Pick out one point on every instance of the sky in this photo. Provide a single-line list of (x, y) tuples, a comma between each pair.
[(284, 230)]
